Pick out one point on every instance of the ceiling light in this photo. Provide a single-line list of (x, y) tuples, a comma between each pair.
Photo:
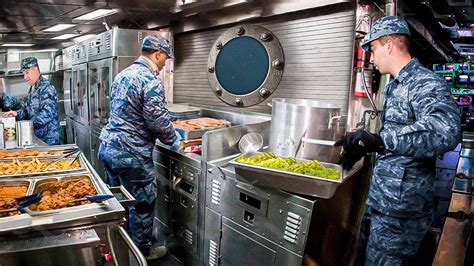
[(83, 38), (17, 44), (465, 33), (39, 51), (59, 27), (65, 36), (99, 13)]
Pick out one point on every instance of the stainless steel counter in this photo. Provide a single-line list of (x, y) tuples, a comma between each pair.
[(37, 142), (87, 234), (215, 218), (228, 137)]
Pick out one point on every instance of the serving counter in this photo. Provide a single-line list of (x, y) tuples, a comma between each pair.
[(52, 231)]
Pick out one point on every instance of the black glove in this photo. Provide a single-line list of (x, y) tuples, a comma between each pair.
[(349, 157), (361, 139), (356, 145)]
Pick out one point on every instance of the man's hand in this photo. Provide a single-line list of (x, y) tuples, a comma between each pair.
[(9, 114), (356, 145)]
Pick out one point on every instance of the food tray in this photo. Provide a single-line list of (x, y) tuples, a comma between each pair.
[(43, 184), (81, 160), (69, 217), (44, 152), (182, 112), (14, 183), (293, 182), (196, 134)]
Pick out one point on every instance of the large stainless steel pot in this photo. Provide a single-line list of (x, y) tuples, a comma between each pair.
[(298, 124)]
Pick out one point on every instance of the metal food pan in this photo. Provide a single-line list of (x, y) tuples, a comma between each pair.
[(293, 182), (81, 160), (196, 134), (16, 183), (42, 184), (60, 149)]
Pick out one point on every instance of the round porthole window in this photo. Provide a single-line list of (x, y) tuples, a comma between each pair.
[(245, 65)]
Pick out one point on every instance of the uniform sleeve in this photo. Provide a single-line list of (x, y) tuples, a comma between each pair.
[(10, 102), (437, 126), (48, 106), (21, 114), (155, 113)]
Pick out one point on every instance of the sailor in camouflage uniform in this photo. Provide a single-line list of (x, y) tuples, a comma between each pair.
[(41, 103), (138, 117), (9, 102), (420, 121)]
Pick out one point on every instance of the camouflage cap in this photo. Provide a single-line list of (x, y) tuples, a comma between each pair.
[(385, 26), (157, 43), (27, 63)]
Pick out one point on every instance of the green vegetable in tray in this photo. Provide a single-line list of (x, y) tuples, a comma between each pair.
[(270, 160)]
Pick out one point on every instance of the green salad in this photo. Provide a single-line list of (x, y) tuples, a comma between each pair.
[(270, 160)]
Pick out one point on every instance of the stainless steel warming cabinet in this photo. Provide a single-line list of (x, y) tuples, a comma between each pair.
[(80, 98), (67, 88), (180, 206)]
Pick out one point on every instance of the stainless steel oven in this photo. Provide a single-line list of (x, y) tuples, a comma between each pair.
[(101, 74), (80, 102)]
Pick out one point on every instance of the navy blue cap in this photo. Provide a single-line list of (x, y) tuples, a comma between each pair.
[(385, 26), (28, 63), (157, 43)]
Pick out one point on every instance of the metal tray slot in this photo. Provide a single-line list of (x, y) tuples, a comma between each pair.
[(250, 201), (123, 196)]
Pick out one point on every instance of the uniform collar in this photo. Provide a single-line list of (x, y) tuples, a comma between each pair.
[(407, 70), (150, 64), (38, 82)]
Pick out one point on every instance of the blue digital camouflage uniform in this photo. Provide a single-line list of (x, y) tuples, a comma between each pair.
[(41, 106), (420, 121), (138, 117), (10, 102)]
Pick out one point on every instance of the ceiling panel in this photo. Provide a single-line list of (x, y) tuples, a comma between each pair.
[(37, 10)]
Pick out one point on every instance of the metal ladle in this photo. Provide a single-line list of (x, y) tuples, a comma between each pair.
[(250, 142)]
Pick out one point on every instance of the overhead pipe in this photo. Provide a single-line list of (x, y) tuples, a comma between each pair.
[(390, 8), (421, 29)]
